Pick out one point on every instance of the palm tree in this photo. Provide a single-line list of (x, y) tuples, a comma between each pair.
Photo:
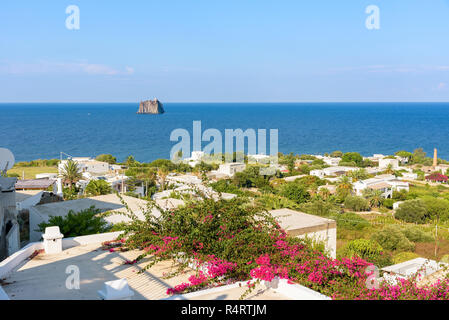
[(389, 169), (71, 172), (324, 193), (97, 188), (344, 187), (345, 184), (359, 174), (376, 198)]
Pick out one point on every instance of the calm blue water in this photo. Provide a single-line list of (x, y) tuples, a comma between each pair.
[(33, 131)]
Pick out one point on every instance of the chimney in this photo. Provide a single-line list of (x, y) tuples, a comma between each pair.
[(435, 157)]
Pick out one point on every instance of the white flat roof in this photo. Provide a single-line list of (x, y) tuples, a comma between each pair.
[(297, 223)]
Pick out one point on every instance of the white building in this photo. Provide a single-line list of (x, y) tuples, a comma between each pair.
[(331, 161), (332, 171), (385, 183), (258, 158), (47, 176), (385, 162), (195, 158), (299, 224), (87, 164), (231, 168)]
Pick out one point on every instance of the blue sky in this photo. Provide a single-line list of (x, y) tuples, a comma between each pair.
[(224, 51)]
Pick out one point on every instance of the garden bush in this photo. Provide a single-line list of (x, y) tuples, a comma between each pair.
[(319, 207), (80, 223), (97, 188), (437, 208), (388, 203), (356, 203), (351, 221), (368, 250), (412, 211), (392, 238), (294, 191), (226, 186), (416, 234)]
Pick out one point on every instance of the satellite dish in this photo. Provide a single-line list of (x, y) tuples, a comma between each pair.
[(6, 160)]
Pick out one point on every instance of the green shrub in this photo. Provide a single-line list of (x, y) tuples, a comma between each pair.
[(416, 234), (80, 223), (367, 249), (226, 186), (97, 188), (352, 157), (437, 208), (404, 256), (388, 203), (412, 211), (319, 207), (356, 203), (351, 221), (392, 238), (109, 158), (294, 191)]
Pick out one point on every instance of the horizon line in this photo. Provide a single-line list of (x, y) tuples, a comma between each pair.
[(215, 102)]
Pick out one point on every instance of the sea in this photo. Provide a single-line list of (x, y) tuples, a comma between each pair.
[(44, 130)]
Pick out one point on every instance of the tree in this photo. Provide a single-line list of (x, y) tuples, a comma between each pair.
[(389, 169), (106, 158), (374, 197), (419, 157), (130, 161), (344, 187), (359, 174), (352, 157), (97, 188), (336, 154), (404, 154), (412, 211), (391, 238), (71, 172), (356, 203), (437, 208), (294, 191)]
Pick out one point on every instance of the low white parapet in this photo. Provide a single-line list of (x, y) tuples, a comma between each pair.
[(15, 259), (8, 264), (291, 291)]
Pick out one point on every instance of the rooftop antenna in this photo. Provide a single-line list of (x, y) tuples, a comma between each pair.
[(7, 161)]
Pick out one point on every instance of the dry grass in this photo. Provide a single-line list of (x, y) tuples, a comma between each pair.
[(30, 172), (427, 249)]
